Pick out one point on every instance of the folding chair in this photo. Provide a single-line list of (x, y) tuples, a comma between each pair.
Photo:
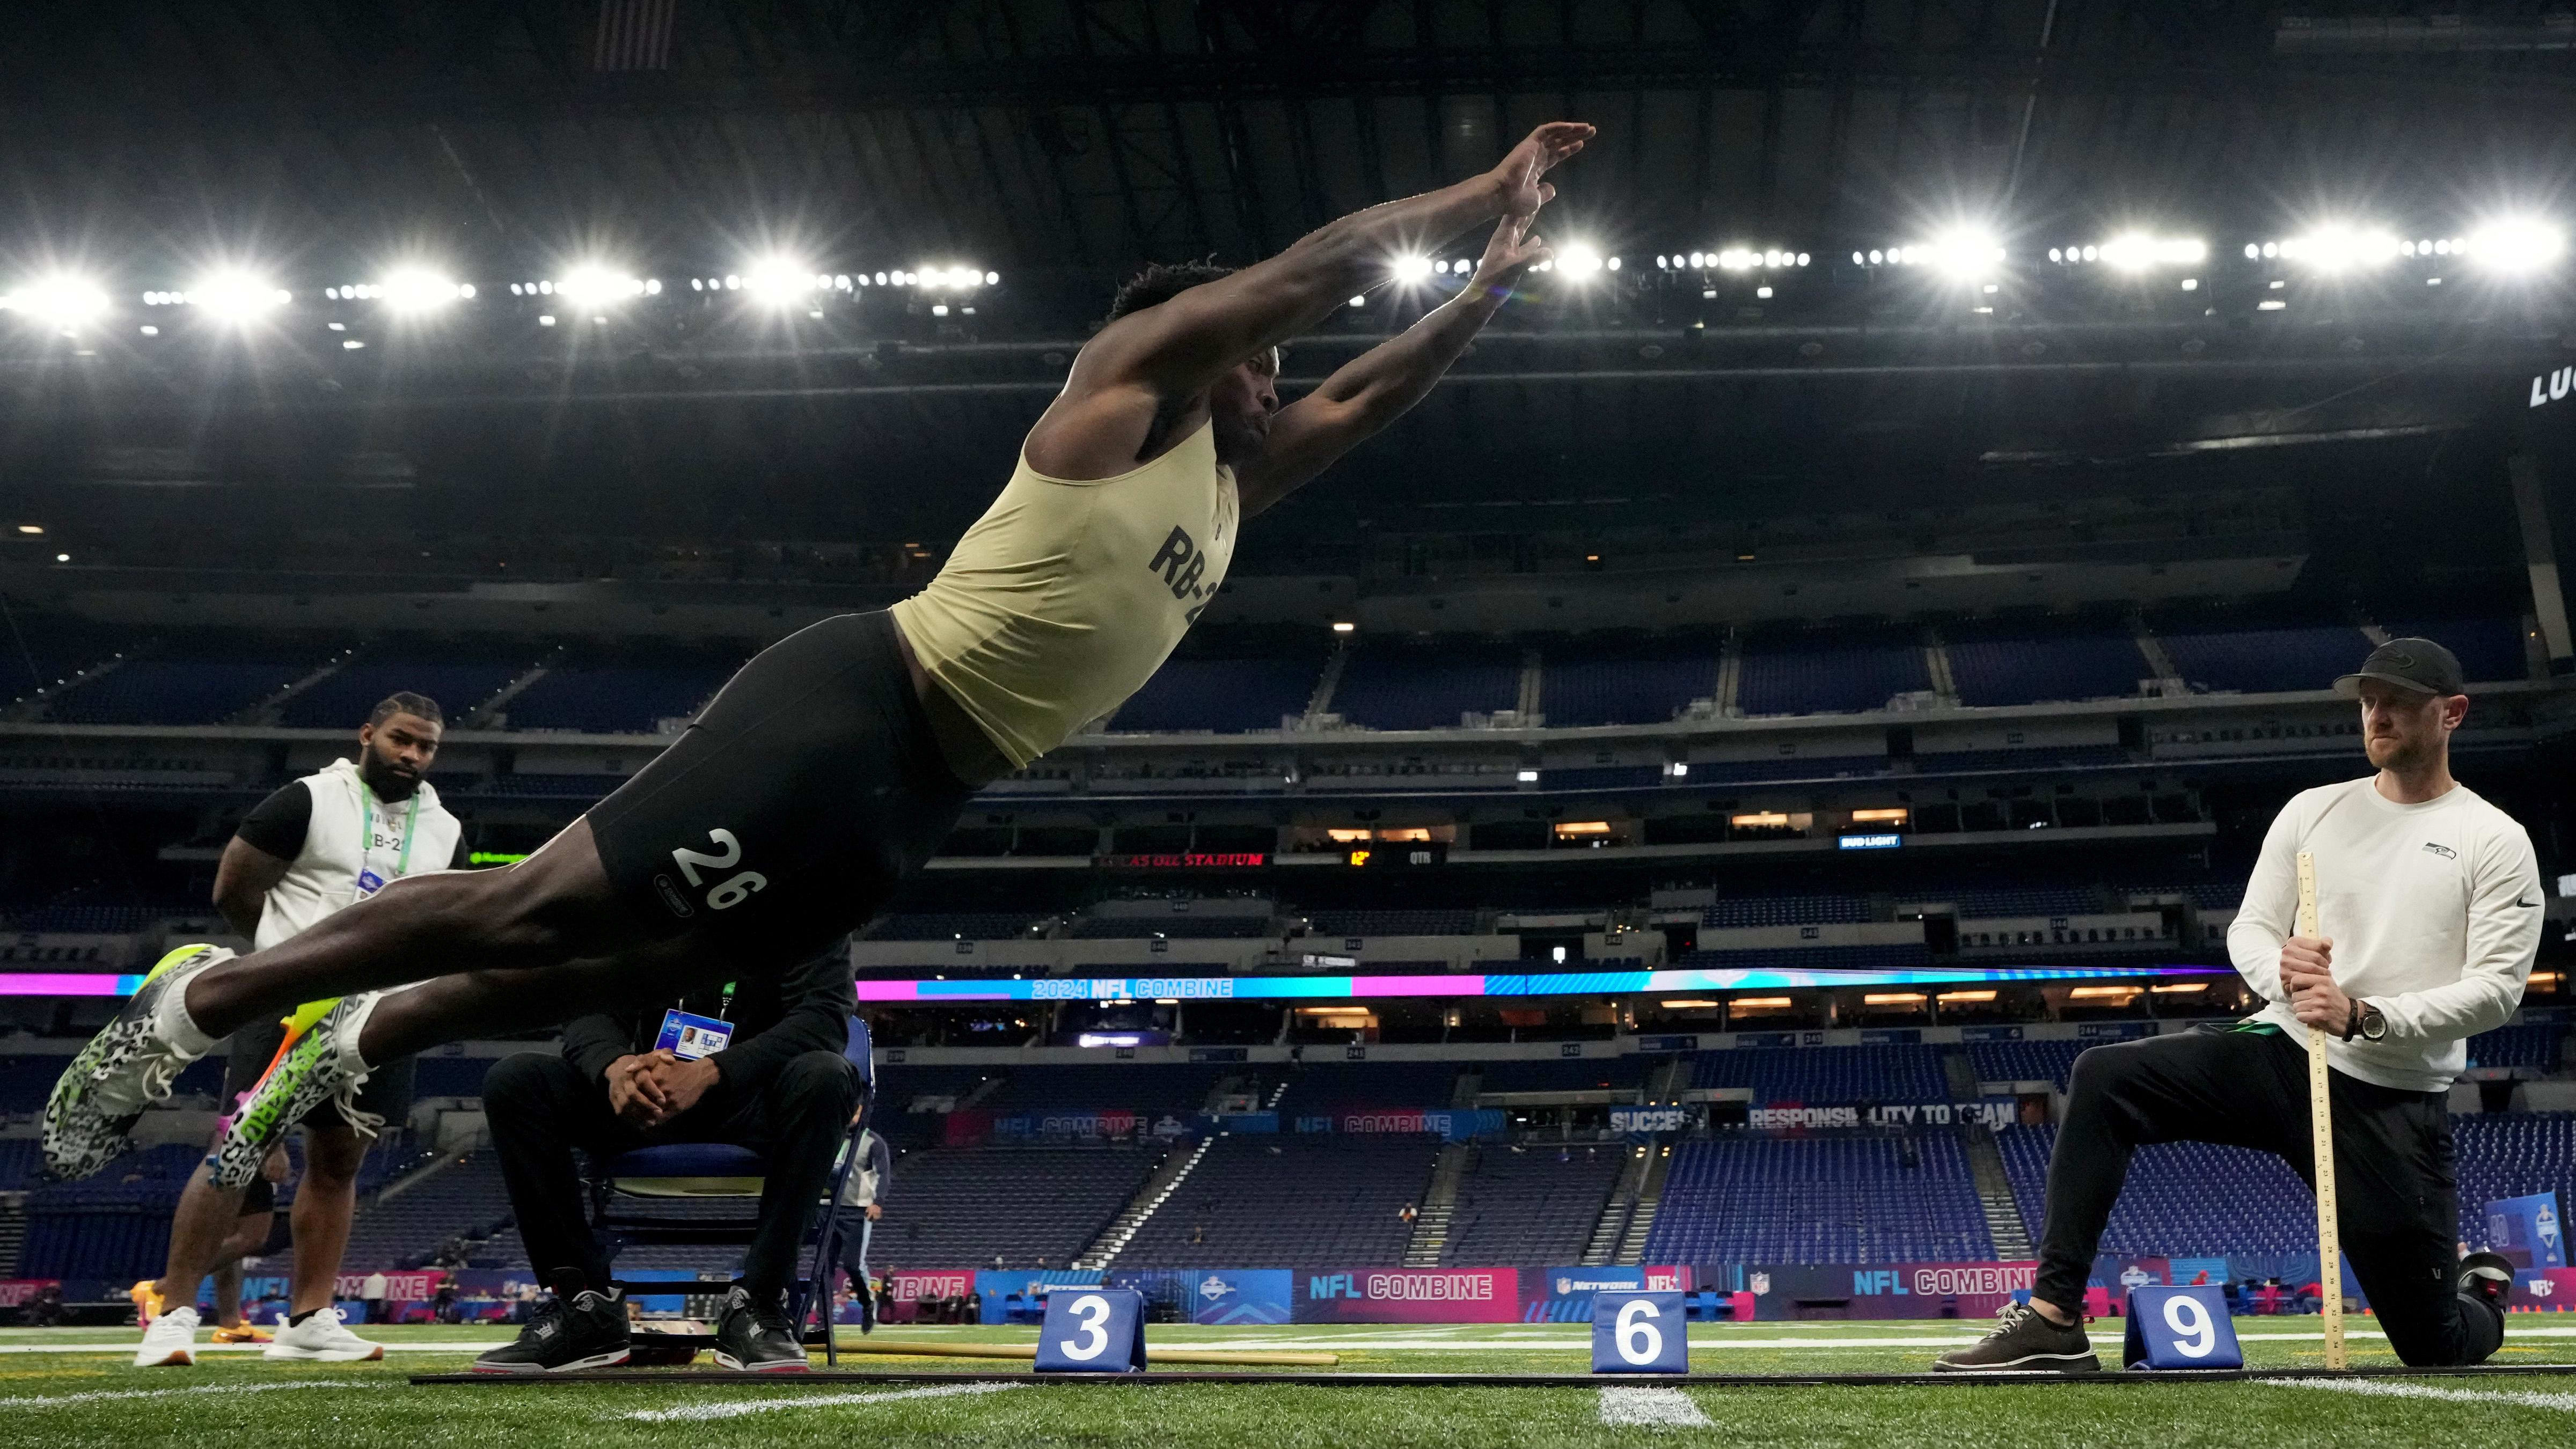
[(700, 1170)]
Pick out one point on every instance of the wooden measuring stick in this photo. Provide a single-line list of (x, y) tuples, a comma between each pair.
[(2321, 1143)]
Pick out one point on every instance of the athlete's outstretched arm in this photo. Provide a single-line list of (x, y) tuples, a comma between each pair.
[(1378, 386), (1185, 344)]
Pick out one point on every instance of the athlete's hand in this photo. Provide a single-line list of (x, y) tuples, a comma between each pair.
[(681, 1083), (1510, 251), (632, 1093), (1546, 148), (2311, 954), (275, 1167), (875, 1212)]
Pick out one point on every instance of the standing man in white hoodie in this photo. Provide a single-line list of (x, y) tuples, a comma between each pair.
[(2428, 913), (318, 844)]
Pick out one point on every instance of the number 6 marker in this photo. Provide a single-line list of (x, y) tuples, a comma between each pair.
[(1639, 1333)]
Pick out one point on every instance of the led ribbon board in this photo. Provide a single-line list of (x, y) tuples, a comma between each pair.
[(1552, 983), (1345, 988)]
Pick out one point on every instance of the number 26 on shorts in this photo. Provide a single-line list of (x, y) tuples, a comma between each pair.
[(1093, 1331), (733, 890), (2180, 1328)]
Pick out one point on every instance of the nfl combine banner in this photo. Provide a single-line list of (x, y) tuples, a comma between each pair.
[(1409, 1295)]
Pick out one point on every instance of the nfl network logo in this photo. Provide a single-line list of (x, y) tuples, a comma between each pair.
[(1760, 1283), (1214, 1288), (1564, 1286)]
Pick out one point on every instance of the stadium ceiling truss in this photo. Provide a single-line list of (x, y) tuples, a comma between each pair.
[(1098, 133)]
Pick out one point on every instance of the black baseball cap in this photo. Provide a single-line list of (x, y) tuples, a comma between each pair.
[(2414, 663)]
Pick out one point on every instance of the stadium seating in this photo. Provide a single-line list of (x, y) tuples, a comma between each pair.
[(2262, 660), (1828, 673), (1407, 685), (1980, 902), (459, 682), (2489, 649), (1221, 695), (1155, 1087), (45, 650), (620, 697), (973, 925), (2005, 662), (1808, 910), (1391, 923), (1799, 767), (2535, 1046), (2186, 1198), (2024, 1061), (1822, 1075), (1564, 1074), (1176, 927), (2512, 1154), (462, 1200), (1893, 957), (179, 691), (956, 1207), (1536, 1205), (1316, 1087), (1289, 1200), (1846, 1198), (1604, 682)]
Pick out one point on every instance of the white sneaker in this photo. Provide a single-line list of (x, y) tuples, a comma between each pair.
[(171, 1341), (321, 1339)]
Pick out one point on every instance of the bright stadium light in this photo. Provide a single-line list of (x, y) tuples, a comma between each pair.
[(1579, 261), (1411, 269), (2516, 244), (778, 281), (1964, 252), (235, 295), (2136, 251), (597, 285), (2338, 247), (414, 290), (59, 299), (955, 279)]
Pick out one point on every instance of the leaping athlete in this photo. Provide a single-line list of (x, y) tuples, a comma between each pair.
[(835, 762)]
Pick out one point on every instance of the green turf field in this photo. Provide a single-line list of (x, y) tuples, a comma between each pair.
[(51, 1393)]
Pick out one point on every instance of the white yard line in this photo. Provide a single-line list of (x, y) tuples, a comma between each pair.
[(2394, 1389), (93, 1396), (1656, 1408), (736, 1408)]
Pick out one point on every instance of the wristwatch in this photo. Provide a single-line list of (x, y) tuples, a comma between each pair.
[(2365, 1021)]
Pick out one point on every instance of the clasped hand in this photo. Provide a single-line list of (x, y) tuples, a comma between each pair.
[(2307, 975), (650, 1089)]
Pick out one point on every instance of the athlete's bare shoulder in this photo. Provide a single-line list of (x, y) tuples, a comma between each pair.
[(1110, 418)]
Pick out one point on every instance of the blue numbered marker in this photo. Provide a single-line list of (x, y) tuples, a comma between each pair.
[(1093, 1331), (1639, 1333), (2180, 1328)]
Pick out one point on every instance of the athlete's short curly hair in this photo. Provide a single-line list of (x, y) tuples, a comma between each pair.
[(1161, 282), (403, 701)]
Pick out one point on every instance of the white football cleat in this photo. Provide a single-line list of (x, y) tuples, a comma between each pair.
[(322, 1338), (171, 1341)]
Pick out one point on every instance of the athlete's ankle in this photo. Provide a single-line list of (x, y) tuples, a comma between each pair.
[(2062, 1317), (194, 1017)]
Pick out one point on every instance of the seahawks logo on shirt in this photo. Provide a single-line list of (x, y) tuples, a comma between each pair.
[(2444, 851)]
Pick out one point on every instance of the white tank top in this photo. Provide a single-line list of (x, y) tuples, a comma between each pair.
[(353, 845)]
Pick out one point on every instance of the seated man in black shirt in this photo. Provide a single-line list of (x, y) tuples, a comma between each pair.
[(780, 1086)]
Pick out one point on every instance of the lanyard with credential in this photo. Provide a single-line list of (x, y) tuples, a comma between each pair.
[(368, 881)]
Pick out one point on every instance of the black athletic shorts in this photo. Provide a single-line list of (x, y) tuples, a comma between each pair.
[(788, 814), (388, 1091)]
